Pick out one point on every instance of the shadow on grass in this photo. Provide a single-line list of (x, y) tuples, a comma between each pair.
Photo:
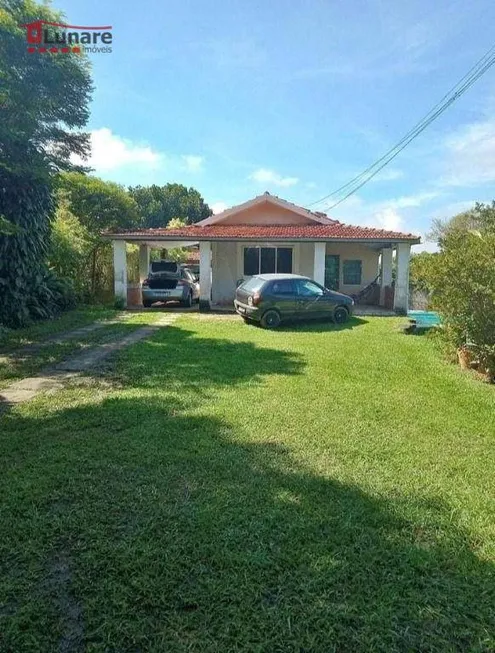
[(178, 536), (322, 325), (176, 357), (137, 524)]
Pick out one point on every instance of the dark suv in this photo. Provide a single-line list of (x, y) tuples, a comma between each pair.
[(271, 298)]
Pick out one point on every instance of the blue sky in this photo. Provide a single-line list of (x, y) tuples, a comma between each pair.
[(239, 97)]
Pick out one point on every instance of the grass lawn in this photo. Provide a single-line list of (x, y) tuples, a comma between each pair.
[(312, 489)]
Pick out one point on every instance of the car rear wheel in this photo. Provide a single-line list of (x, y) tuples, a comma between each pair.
[(270, 320), (340, 315), (189, 301)]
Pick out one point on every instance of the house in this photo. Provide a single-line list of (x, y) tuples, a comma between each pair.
[(269, 234)]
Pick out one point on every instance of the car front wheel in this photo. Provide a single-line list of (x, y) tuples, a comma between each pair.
[(189, 301), (147, 303), (270, 320), (340, 315)]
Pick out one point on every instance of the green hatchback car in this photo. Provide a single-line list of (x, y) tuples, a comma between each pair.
[(272, 298)]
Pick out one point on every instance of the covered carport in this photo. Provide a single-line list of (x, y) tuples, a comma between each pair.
[(146, 242)]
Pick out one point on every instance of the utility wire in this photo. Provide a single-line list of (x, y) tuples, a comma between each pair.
[(411, 131), (414, 130), (475, 72), (377, 170)]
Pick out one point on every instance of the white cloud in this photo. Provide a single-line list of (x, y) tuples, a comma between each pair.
[(395, 214), (388, 219), (193, 163), (110, 151), (266, 176), (355, 204), (218, 207), (470, 155), (410, 201), (425, 246)]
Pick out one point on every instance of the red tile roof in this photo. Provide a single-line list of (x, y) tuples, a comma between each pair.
[(334, 231)]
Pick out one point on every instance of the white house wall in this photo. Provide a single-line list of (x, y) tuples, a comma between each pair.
[(306, 260), (352, 252), (224, 272)]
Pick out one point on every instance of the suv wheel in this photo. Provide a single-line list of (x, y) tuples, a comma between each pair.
[(271, 319), (189, 301), (341, 315)]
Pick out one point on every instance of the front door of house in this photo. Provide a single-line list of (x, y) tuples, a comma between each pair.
[(332, 271)]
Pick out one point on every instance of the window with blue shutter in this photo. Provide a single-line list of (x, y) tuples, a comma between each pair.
[(352, 272)]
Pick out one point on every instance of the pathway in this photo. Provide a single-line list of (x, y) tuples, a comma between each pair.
[(54, 377), (60, 338)]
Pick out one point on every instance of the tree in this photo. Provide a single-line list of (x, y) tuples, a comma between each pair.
[(470, 220), (462, 279), (44, 101), (70, 247), (420, 271), (159, 204), (99, 206), (178, 254)]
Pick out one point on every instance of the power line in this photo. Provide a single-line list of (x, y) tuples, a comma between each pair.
[(474, 73), (413, 129), (485, 63), (377, 170)]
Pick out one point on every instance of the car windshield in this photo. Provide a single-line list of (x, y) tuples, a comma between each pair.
[(164, 266), (253, 284)]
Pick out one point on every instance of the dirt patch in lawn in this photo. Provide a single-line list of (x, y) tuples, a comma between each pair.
[(55, 377), (58, 586)]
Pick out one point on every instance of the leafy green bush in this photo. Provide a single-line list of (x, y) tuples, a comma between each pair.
[(462, 278), (420, 271), (70, 248), (53, 295)]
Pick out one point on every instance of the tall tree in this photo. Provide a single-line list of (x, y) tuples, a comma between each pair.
[(98, 205), (44, 100), (465, 221), (160, 204)]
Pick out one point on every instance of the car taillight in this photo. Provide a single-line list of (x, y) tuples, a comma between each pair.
[(146, 282), (181, 283)]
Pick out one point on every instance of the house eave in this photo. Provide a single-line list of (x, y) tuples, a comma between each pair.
[(260, 238)]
